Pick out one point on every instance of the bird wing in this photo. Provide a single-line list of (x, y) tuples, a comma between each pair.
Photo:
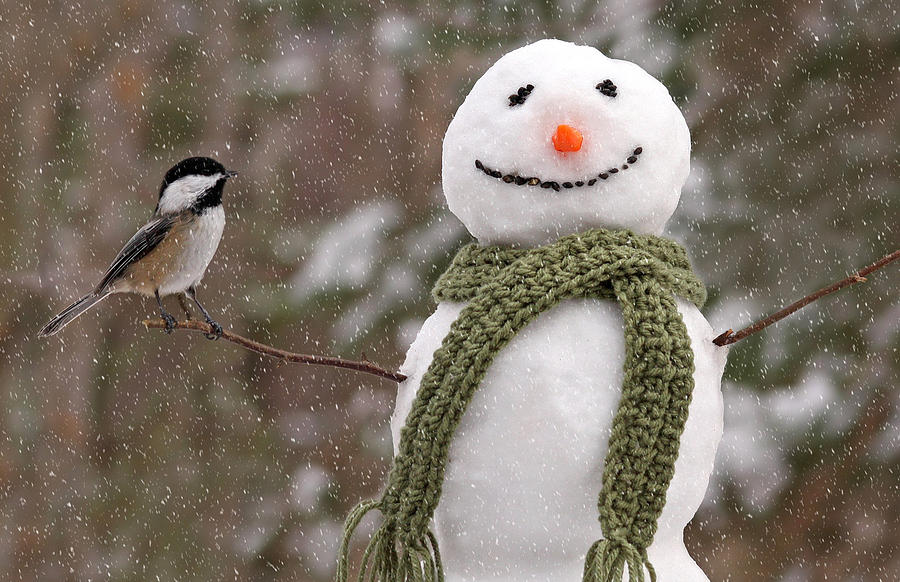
[(143, 241)]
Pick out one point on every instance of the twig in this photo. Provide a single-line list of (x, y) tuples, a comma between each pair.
[(254, 346), (729, 337)]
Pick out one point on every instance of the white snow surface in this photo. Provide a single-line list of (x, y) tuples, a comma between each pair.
[(520, 493), (517, 140)]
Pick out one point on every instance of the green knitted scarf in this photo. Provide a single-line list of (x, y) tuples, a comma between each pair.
[(505, 290)]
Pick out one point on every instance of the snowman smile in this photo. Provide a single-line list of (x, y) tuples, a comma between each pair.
[(519, 180)]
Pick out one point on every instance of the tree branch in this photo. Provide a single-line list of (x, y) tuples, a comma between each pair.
[(729, 337), (254, 346)]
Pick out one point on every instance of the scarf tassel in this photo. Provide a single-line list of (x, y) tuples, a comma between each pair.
[(390, 555), (607, 558)]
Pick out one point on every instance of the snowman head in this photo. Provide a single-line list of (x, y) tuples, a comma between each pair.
[(557, 138)]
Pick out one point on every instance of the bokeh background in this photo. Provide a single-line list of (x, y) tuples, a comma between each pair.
[(129, 455)]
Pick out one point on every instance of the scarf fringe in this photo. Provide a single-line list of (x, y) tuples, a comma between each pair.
[(391, 555), (607, 558)]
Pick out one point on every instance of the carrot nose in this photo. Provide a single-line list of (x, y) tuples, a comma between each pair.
[(567, 139)]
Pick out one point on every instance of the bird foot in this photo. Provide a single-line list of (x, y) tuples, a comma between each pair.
[(217, 330), (170, 322)]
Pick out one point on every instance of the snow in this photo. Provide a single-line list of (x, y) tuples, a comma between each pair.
[(354, 239), (101, 98), (750, 452), (526, 461), (396, 284), (308, 486), (517, 140), (294, 73)]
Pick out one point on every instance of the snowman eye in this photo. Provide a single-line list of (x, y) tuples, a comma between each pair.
[(521, 95), (607, 87)]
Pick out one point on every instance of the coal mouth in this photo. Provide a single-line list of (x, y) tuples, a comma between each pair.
[(520, 180)]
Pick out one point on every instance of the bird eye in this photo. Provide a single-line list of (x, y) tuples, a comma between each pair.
[(607, 87), (521, 95)]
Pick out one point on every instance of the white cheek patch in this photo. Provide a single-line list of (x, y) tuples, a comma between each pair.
[(184, 192)]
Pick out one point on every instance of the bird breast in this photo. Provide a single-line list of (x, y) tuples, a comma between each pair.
[(180, 260)]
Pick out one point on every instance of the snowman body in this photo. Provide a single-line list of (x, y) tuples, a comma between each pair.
[(519, 499), (519, 496)]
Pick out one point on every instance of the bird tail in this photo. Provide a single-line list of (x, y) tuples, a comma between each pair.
[(67, 315)]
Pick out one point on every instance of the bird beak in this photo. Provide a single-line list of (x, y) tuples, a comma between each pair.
[(230, 173)]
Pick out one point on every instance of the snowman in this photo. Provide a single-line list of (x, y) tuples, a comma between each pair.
[(554, 140)]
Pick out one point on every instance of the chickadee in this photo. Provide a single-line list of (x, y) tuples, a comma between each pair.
[(169, 254)]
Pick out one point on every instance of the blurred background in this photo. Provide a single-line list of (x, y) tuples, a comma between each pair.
[(130, 455)]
